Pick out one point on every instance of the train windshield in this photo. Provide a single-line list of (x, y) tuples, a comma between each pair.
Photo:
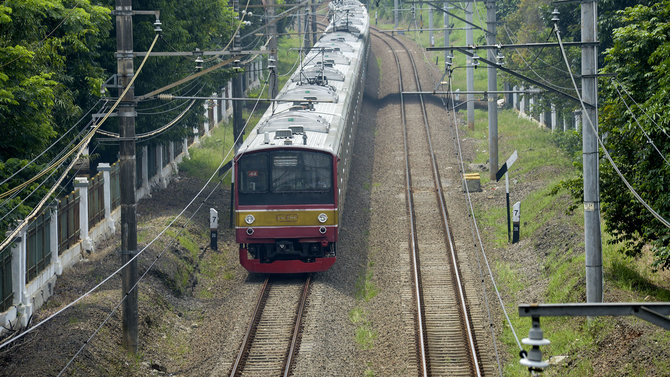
[(285, 177)]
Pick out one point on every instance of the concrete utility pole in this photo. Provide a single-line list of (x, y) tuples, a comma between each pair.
[(238, 124), (447, 32), (299, 19), (313, 12), (395, 14), (592, 241), (492, 86), (469, 69), (272, 59), (307, 39), (431, 40), (125, 70)]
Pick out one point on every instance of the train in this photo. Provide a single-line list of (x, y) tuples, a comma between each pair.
[(291, 172)]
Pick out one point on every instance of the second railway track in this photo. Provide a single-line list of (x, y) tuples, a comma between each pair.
[(446, 345)]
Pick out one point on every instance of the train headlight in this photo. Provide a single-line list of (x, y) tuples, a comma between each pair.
[(249, 219), (322, 217)]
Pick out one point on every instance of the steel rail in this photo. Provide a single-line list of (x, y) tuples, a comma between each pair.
[(423, 353), (456, 276), (251, 329), (250, 334), (459, 290), (296, 329)]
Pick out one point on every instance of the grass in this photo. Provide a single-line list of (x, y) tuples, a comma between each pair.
[(364, 334), (207, 156), (543, 163)]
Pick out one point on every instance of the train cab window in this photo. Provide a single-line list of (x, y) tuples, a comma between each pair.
[(253, 173), (301, 172), (285, 177)]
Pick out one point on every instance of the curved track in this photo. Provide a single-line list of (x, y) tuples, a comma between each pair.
[(271, 341), (445, 340)]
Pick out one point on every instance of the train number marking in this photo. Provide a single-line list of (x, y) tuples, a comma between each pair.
[(291, 218)]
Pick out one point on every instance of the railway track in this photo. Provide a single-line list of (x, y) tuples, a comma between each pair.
[(272, 338), (446, 345)]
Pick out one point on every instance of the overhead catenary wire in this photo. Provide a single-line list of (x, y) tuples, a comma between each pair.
[(476, 226), (642, 109), (530, 68), (80, 147), (50, 146), (125, 295), (640, 126), (117, 271), (600, 142)]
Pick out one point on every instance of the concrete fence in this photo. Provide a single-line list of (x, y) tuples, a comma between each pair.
[(68, 230), (555, 119)]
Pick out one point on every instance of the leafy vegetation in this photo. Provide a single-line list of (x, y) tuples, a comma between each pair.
[(635, 105)]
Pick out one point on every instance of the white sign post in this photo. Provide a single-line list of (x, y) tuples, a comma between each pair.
[(503, 171), (516, 220), (213, 228)]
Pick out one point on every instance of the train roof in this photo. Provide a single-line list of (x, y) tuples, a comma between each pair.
[(319, 93)]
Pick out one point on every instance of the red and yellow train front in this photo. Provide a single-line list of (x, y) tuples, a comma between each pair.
[(286, 210)]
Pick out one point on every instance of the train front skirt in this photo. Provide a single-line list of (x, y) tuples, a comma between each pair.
[(284, 266)]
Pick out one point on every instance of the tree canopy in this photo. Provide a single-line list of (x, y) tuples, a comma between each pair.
[(48, 69), (636, 102)]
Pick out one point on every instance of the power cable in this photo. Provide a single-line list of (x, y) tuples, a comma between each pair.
[(80, 146), (639, 126), (540, 77), (50, 146), (602, 145), (84, 141), (111, 313), (6, 201), (55, 158), (58, 312), (156, 131), (181, 104), (185, 91), (643, 111), (474, 221)]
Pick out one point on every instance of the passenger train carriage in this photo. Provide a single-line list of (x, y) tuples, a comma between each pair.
[(291, 172)]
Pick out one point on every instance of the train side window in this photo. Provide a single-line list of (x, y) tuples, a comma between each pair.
[(253, 173)]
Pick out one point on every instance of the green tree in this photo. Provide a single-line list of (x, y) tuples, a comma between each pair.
[(187, 25), (640, 59), (47, 69), (48, 74)]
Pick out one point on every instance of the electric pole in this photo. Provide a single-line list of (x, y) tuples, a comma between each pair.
[(431, 39), (395, 14), (492, 87), (313, 12), (238, 126), (469, 69), (125, 70), (447, 34), (272, 58), (592, 241)]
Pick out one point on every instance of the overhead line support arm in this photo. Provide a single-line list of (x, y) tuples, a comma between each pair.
[(526, 78)]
